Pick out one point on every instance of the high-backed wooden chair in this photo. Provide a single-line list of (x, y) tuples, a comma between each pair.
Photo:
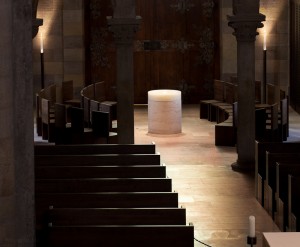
[(218, 97), (271, 133), (48, 120), (38, 116), (101, 128), (283, 119), (62, 127), (79, 133)]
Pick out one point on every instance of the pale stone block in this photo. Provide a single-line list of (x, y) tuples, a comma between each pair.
[(72, 42), (164, 111), (78, 80), (73, 68), (73, 16), (72, 4), (74, 28), (53, 68), (73, 55)]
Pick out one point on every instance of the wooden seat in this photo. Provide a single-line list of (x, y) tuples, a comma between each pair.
[(38, 116), (270, 185), (98, 160), (116, 216), (282, 171), (79, 133), (260, 162), (58, 172), (127, 236), (95, 148), (48, 120), (87, 185), (106, 200), (294, 203), (218, 97), (101, 125), (283, 120), (62, 127)]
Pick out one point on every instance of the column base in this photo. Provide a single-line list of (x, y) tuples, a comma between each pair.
[(244, 167)]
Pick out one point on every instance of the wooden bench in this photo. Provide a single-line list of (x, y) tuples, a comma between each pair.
[(38, 114), (105, 200), (270, 183), (98, 159), (87, 185), (95, 149), (62, 126), (48, 120), (294, 203), (260, 162), (101, 126), (143, 171), (116, 216), (125, 236), (282, 172), (218, 97)]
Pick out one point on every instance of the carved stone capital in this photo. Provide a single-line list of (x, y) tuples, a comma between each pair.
[(36, 22), (245, 26), (124, 29)]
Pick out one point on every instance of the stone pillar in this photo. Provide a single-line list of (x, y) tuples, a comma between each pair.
[(17, 226), (245, 22), (124, 25)]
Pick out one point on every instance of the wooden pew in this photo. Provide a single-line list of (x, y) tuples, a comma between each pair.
[(106, 200), (98, 159), (294, 203), (58, 172), (282, 172), (270, 184), (79, 133), (125, 236), (95, 149), (101, 125), (283, 119), (62, 127), (86, 110), (260, 162), (87, 185), (116, 216), (38, 114), (218, 97), (48, 120)]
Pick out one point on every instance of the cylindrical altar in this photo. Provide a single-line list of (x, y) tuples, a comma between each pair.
[(164, 111)]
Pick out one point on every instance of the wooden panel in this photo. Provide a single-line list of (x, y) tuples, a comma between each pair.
[(176, 47)]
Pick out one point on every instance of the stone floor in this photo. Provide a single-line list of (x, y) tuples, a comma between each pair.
[(218, 200)]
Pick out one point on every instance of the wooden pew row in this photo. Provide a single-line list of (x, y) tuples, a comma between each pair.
[(230, 96), (48, 120), (270, 182), (260, 162), (88, 185), (116, 216), (294, 203), (282, 172), (218, 97), (125, 236), (95, 149), (44, 201), (98, 160), (59, 172)]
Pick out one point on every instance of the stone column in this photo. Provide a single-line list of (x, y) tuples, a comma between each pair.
[(17, 226), (124, 25), (245, 22)]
